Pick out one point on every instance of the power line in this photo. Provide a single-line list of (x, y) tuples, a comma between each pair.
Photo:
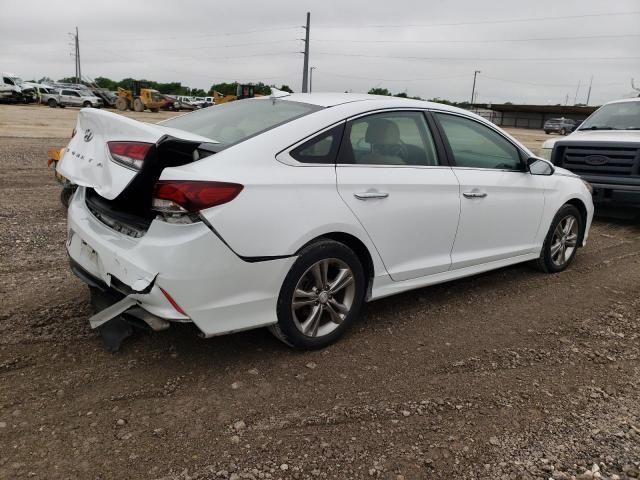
[(486, 22), (393, 79), (536, 84), (580, 37), (206, 47), (479, 59), (205, 35)]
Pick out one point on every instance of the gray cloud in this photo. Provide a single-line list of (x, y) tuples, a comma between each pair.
[(424, 48)]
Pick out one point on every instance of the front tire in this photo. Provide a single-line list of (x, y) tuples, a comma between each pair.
[(321, 296), (86, 104), (561, 243), (138, 106), (52, 103), (563, 132)]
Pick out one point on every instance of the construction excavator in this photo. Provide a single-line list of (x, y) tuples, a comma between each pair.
[(140, 99), (242, 92)]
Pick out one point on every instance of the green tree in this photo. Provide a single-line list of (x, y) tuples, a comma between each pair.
[(379, 91), (104, 82), (285, 88)]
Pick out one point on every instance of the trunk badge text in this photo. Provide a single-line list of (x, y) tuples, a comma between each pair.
[(88, 135)]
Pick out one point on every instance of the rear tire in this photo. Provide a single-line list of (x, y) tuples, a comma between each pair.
[(321, 296), (562, 240), (563, 132), (86, 104), (52, 103), (65, 196), (138, 106)]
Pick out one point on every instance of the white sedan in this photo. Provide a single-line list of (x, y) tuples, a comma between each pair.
[(291, 211)]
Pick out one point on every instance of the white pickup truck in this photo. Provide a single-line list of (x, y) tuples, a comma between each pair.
[(604, 151), (72, 98)]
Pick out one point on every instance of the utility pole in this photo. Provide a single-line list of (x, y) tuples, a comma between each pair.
[(79, 75), (473, 89), (311, 79), (305, 68), (76, 54), (575, 99), (589, 93)]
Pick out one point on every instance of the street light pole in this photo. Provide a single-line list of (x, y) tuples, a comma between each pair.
[(473, 89), (311, 79)]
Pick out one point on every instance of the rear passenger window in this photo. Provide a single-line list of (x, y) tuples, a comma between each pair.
[(320, 149), (391, 138), (477, 146)]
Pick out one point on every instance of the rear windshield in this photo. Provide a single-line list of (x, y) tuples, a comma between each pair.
[(236, 121)]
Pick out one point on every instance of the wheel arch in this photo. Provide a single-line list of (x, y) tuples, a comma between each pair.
[(582, 208), (358, 247)]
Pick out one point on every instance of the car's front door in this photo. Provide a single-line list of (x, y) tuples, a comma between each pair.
[(501, 203), (401, 190)]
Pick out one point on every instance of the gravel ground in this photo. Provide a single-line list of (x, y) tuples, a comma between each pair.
[(511, 374)]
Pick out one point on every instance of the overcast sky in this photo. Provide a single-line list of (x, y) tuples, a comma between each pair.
[(527, 51)]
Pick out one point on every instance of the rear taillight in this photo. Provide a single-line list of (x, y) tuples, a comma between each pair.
[(129, 154), (190, 196)]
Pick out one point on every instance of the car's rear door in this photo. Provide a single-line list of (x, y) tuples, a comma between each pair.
[(501, 202), (395, 179)]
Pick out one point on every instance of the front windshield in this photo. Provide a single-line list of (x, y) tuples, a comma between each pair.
[(615, 116), (234, 122)]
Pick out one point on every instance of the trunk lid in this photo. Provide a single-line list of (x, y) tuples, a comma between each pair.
[(87, 161)]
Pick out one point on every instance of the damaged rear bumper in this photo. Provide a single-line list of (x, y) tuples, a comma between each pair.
[(174, 273)]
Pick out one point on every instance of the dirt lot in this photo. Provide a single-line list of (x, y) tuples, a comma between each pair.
[(512, 374)]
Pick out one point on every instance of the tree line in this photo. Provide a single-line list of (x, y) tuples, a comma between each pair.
[(228, 88), (386, 92), (173, 88)]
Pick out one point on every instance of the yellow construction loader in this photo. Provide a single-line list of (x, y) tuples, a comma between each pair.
[(140, 99)]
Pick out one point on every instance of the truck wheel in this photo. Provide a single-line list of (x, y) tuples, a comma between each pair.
[(86, 104), (138, 106), (563, 132), (52, 103), (121, 104)]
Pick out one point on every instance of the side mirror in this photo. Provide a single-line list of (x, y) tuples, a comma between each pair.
[(540, 166)]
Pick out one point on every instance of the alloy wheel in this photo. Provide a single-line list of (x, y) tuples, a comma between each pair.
[(564, 241), (323, 297)]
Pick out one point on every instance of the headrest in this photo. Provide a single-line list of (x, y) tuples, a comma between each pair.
[(382, 132)]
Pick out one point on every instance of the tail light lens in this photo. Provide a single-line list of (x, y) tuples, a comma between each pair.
[(189, 196), (129, 154)]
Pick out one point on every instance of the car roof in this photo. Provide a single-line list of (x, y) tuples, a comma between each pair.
[(625, 100), (329, 99)]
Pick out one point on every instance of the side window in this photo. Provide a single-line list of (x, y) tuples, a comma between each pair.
[(391, 138), (477, 146), (8, 81), (320, 149), (66, 92)]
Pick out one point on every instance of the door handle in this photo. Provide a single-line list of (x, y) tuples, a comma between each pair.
[(474, 194), (370, 195)]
